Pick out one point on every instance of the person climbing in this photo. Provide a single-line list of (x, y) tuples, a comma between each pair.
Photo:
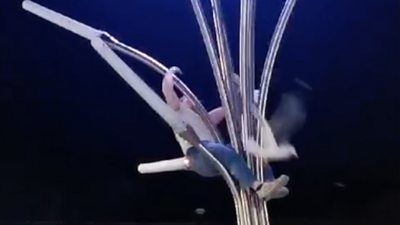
[(224, 153)]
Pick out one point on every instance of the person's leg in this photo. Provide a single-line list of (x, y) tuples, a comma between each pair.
[(238, 169), (200, 163), (236, 166), (233, 162)]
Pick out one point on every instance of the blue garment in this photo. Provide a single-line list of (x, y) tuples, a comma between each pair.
[(227, 156)]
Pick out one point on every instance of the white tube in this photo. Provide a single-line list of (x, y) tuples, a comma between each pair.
[(61, 20), (141, 88), (163, 166)]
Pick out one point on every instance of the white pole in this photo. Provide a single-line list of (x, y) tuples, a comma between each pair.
[(61, 20)]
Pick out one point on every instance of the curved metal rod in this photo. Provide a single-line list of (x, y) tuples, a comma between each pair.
[(226, 65), (113, 43), (272, 52), (103, 47), (161, 69), (266, 77), (91, 33), (212, 54), (229, 181), (224, 173), (155, 102), (270, 60)]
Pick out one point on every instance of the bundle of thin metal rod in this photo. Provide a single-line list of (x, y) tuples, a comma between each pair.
[(251, 210)]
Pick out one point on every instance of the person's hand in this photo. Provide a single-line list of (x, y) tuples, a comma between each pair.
[(283, 152), (174, 70), (289, 149)]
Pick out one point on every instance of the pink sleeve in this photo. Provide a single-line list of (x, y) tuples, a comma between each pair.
[(170, 95)]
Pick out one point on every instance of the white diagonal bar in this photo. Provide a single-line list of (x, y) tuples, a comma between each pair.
[(61, 20)]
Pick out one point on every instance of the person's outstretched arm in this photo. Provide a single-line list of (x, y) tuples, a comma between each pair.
[(170, 95), (288, 118), (270, 153), (291, 114)]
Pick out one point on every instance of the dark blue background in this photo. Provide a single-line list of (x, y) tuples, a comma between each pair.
[(72, 132)]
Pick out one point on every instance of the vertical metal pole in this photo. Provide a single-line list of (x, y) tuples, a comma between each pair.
[(247, 83), (246, 64)]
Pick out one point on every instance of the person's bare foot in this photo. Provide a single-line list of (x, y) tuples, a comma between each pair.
[(266, 189), (281, 193)]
